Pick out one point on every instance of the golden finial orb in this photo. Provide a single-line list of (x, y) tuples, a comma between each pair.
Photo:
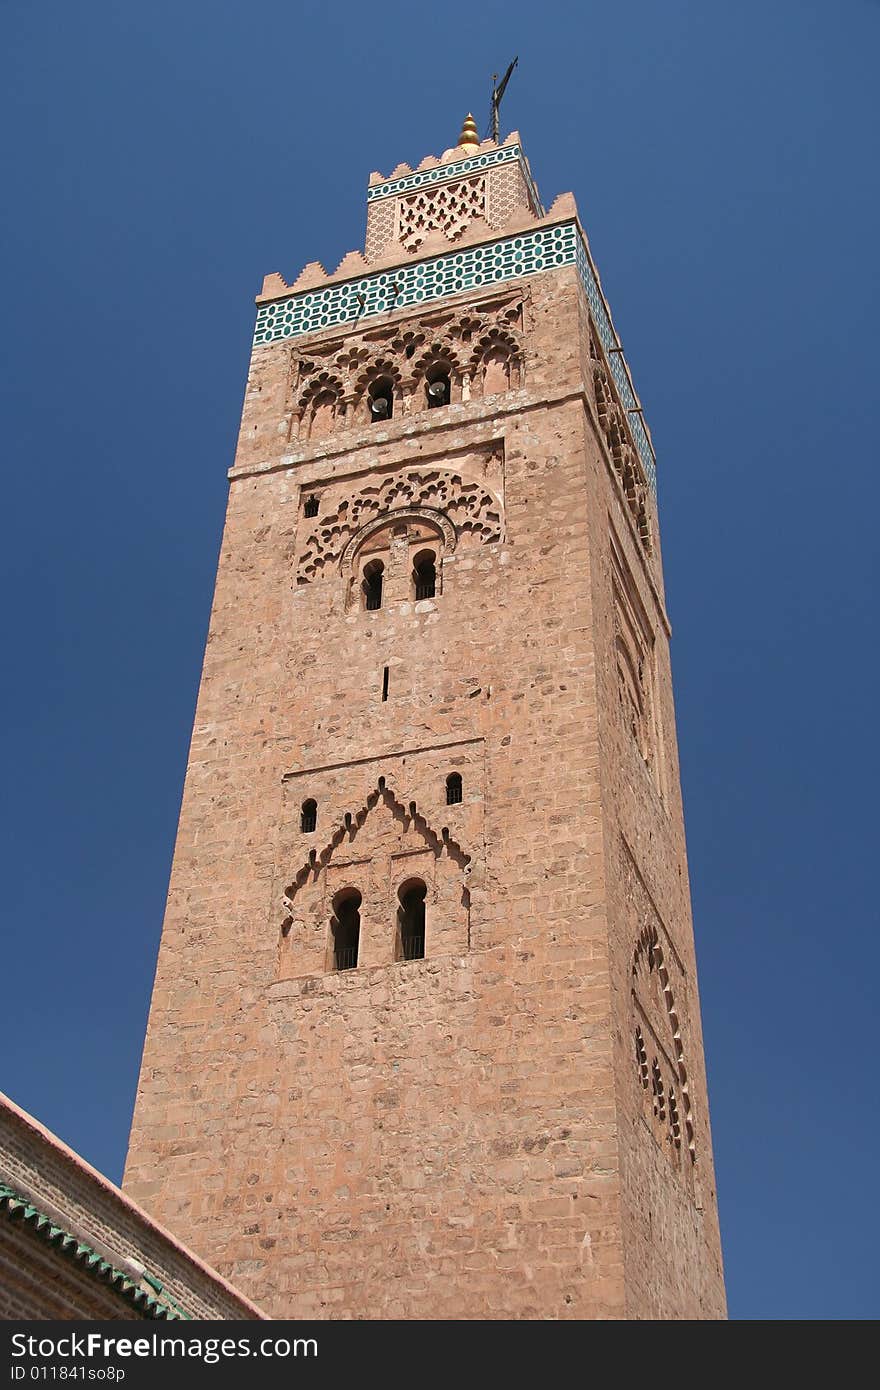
[(469, 138)]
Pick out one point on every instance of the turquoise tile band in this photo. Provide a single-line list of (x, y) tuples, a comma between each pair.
[(473, 268), (408, 183)]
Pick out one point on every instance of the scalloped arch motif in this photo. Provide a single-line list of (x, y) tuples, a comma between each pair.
[(648, 959), (470, 507), (318, 385), (440, 843)]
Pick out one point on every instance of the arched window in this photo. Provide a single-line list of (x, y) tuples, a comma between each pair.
[(411, 920), (425, 574), (438, 387), (311, 507), (453, 789), (345, 927), (374, 574), (381, 399), (308, 818)]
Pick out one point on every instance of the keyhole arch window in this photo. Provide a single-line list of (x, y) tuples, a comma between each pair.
[(424, 574), (345, 929), (372, 585), (408, 548), (411, 915)]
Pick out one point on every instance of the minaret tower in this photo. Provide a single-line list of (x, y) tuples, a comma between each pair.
[(425, 1035)]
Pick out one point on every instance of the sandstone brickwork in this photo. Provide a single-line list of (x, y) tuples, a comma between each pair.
[(515, 1124), (74, 1247)]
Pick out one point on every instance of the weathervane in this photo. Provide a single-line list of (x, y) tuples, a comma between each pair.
[(498, 90)]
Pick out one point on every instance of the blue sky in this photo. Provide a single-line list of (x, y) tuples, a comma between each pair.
[(163, 158)]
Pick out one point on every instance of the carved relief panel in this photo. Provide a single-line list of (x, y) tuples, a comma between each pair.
[(388, 372), (658, 1026), (634, 659), (449, 208), (381, 834), (622, 451), (659, 1048), (405, 516)]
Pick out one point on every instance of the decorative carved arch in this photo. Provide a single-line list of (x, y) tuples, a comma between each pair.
[(398, 516), (352, 821), (377, 370), (323, 383), (408, 342), (351, 361), (439, 351), (625, 460), (468, 507), (498, 343), (498, 339), (648, 959), (631, 692)]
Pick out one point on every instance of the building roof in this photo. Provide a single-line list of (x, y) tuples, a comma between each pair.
[(150, 1305), (61, 1201)]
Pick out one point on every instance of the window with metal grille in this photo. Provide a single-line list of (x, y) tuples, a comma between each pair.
[(346, 929), (453, 789), (411, 920), (425, 575), (308, 818), (311, 507), (372, 586)]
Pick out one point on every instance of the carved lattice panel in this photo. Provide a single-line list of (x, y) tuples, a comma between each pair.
[(448, 209)]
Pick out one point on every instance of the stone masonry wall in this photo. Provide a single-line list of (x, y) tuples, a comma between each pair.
[(669, 1215), (38, 1282), (437, 1137)]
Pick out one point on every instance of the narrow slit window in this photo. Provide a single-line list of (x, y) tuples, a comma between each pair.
[(453, 789), (308, 819), (411, 920), (346, 930), (385, 683)]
